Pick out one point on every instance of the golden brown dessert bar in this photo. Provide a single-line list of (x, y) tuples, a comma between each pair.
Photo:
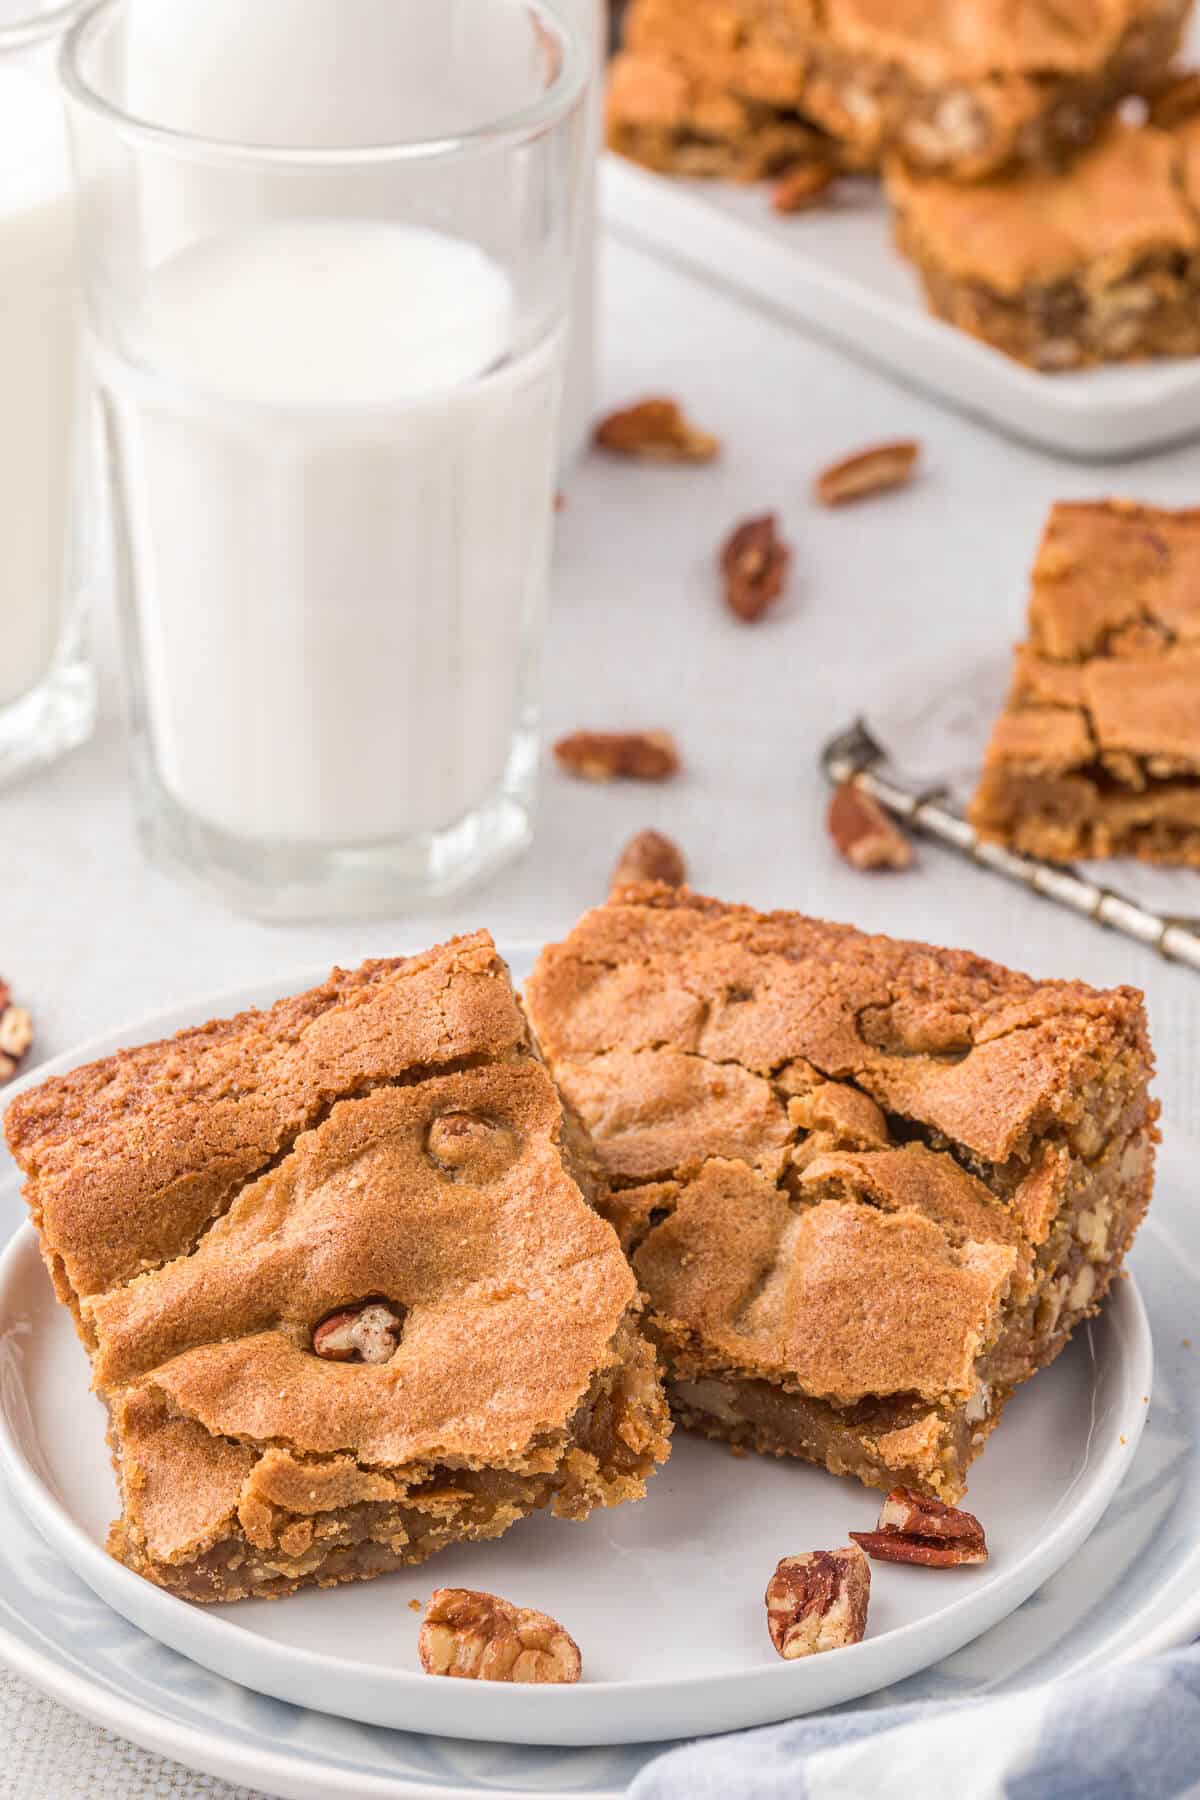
[(967, 88), (666, 115), (1098, 750), (344, 1298), (964, 88), (867, 1186), (1098, 264)]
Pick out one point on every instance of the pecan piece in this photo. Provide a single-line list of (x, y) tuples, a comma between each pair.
[(818, 1601), (802, 186), (863, 833), (657, 430), (754, 563), (650, 857), (479, 1637), (868, 472), (915, 1528), (603, 755), (368, 1333), (16, 1034)]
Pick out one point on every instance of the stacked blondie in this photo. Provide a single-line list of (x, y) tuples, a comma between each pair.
[(1038, 220)]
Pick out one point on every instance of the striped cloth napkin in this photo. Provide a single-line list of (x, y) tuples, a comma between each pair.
[(1131, 1732)]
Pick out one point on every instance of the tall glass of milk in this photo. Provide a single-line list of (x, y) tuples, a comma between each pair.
[(46, 688), (329, 363)]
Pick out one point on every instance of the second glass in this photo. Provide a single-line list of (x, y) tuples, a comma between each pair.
[(329, 380)]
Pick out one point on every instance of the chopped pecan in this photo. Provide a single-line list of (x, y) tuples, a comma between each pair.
[(16, 1034), (650, 857), (656, 430), (366, 1333), (863, 833), (818, 1601), (915, 1528), (802, 186), (603, 755), (754, 563), (479, 1637), (1177, 101), (867, 472)]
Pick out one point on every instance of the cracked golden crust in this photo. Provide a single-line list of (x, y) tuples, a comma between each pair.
[(1104, 709), (128, 1159), (1117, 203), (836, 1292), (519, 1357), (511, 1290), (988, 1057), (839, 1298), (944, 41)]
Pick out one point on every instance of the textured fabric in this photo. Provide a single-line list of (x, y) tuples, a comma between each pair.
[(1129, 1733), (46, 1753)]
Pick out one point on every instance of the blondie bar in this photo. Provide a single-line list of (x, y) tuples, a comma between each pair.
[(344, 1298), (1100, 263), (868, 1186), (964, 88), (1098, 750)]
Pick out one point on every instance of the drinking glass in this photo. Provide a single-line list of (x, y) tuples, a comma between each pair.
[(328, 358), (47, 696)]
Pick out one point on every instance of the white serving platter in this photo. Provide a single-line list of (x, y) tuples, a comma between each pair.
[(835, 271), (665, 1597)]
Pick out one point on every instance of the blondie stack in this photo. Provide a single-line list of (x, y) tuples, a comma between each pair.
[(1099, 262), (1097, 752), (344, 1297), (867, 1186), (962, 88)]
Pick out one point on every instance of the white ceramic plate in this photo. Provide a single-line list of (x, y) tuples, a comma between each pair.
[(75, 1646), (836, 270)]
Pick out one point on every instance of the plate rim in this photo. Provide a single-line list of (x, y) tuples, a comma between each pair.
[(80, 1553)]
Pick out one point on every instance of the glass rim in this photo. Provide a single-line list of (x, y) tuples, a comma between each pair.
[(35, 28), (83, 18)]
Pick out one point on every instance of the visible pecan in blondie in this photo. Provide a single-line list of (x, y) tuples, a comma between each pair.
[(868, 1186)]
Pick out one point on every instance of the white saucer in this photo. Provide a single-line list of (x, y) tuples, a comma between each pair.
[(665, 1597)]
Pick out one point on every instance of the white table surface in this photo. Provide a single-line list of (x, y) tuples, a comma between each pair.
[(90, 936)]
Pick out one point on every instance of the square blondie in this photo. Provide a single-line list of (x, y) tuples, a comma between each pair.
[(1097, 752), (345, 1300), (1097, 263), (868, 1186), (961, 88)]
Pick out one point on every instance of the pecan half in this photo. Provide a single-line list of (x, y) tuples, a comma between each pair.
[(802, 186), (818, 1601), (868, 472), (650, 857), (863, 833), (368, 1333), (603, 755), (657, 430), (915, 1528), (16, 1034), (754, 564), (479, 1637)]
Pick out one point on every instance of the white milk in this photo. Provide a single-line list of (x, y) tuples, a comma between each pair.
[(336, 487), (39, 322), (324, 73)]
